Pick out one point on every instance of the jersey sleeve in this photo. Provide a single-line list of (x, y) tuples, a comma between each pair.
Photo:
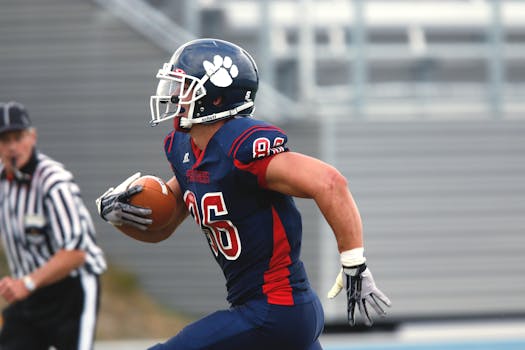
[(255, 147)]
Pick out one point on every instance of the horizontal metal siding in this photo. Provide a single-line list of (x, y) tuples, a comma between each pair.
[(443, 208)]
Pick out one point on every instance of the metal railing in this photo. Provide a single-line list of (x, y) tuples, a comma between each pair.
[(311, 33)]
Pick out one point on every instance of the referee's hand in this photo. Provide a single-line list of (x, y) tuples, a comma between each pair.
[(12, 289)]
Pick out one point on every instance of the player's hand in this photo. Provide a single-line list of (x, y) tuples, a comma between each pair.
[(113, 206), (361, 290)]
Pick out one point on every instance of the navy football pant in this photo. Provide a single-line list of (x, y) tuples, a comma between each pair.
[(255, 325)]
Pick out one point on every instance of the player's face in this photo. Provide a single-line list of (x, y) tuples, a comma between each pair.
[(16, 147), (184, 95)]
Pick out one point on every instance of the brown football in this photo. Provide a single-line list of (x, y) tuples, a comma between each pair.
[(158, 197)]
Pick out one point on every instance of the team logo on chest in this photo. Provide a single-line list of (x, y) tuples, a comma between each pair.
[(199, 176)]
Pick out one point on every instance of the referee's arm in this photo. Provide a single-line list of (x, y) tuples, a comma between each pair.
[(57, 268), (67, 232)]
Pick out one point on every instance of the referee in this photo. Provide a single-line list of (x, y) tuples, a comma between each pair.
[(49, 240)]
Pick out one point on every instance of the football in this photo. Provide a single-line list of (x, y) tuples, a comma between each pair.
[(158, 197)]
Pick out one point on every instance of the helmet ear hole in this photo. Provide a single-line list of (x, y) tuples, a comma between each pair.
[(217, 101)]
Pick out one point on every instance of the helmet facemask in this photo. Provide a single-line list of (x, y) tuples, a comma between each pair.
[(176, 93)]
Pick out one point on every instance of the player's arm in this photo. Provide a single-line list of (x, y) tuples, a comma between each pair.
[(114, 207), (181, 212), (312, 178)]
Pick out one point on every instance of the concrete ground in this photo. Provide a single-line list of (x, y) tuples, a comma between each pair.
[(479, 335)]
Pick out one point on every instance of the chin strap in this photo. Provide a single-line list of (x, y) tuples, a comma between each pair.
[(187, 123)]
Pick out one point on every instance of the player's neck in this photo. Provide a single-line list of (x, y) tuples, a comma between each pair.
[(202, 133)]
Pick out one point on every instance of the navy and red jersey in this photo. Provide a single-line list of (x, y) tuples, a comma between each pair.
[(254, 233)]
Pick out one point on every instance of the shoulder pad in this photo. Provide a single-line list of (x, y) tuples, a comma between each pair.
[(258, 142)]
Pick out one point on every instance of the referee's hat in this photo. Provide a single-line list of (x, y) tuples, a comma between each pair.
[(13, 116)]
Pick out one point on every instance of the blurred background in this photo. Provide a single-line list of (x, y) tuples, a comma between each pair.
[(421, 104)]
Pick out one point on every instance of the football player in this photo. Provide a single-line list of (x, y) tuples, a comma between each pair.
[(237, 178)]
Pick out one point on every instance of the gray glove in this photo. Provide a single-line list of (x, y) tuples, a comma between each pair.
[(361, 290), (113, 206)]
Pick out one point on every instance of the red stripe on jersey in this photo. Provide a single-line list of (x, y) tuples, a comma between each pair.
[(247, 133), (171, 136), (257, 167), (240, 138), (197, 152), (276, 282)]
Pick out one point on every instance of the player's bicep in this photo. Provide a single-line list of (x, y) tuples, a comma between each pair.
[(181, 209), (297, 175)]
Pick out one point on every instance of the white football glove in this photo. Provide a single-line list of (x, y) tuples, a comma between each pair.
[(113, 206), (360, 287)]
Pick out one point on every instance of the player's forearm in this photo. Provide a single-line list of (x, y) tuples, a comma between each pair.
[(155, 236), (147, 236), (340, 211), (303, 176), (58, 267)]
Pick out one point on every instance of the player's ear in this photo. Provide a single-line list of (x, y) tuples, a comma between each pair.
[(217, 101)]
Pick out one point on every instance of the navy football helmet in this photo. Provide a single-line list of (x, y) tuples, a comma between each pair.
[(211, 79)]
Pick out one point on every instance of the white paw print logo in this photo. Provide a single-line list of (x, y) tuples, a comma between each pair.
[(222, 71)]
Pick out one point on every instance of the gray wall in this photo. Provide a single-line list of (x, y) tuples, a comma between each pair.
[(443, 208)]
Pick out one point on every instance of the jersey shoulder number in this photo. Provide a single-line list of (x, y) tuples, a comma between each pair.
[(259, 141)]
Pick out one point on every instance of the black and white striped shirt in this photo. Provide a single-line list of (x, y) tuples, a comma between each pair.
[(43, 213)]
